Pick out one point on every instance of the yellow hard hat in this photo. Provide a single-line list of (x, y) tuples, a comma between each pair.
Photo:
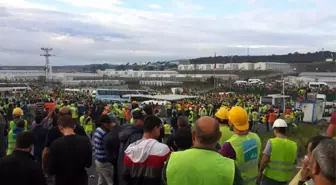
[(222, 113), (18, 112), (238, 118)]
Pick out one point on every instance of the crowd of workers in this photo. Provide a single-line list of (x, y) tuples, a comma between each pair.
[(209, 140)]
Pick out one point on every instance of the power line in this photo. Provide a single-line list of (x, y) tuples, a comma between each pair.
[(48, 66)]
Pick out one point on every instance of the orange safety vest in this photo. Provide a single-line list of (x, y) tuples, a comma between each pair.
[(271, 118), (127, 114)]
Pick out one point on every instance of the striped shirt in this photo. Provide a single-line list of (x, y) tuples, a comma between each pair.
[(99, 145)]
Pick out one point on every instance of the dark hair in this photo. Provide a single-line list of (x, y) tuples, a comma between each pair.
[(183, 121), (183, 138), (207, 139), (151, 122), (148, 110), (38, 119), (24, 140), (103, 119), (138, 115), (66, 121), (281, 130), (20, 123), (315, 141)]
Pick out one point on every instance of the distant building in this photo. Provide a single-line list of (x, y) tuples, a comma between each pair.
[(159, 83), (329, 78), (231, 66), (189, 67), (272, 66), (137, 74), (246, 66)]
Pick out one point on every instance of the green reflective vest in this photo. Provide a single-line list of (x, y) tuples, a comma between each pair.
[(282, 160), (191, 117), (81, 121), (247, 148), (166, 128), (199, 167), (11, 141), (12, 125), (255, 116), (226, 134)]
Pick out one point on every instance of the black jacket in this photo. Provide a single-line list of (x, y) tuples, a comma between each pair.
[(112, 145), (128, 134), (19, 168)]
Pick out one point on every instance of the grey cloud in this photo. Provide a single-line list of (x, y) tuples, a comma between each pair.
[(127, 35)]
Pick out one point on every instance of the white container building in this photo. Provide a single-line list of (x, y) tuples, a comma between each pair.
[(246, 66), (231, 66)]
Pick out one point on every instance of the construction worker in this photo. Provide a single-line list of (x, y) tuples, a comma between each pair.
[(184, 167), (191, 117), (127, 114), (17, 116), (279, 157), (271, 119), (222, 116), (86, 123), (210, 110), (243, 147), (169, 110), (167, 131), (255, 119), (19, 127), (203, 111)]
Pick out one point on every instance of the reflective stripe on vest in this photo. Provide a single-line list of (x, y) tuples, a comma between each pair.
[(282, 160), (180, 170), (247, 148)]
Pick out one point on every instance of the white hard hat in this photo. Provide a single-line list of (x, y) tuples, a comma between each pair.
[(279, 123)]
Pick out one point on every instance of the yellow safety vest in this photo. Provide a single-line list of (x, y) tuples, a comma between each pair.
[(282, 160), (247, 148), (166, 128)]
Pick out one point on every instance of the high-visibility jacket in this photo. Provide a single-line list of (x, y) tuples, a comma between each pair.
[(191, 117), (282, 160), (12, 125), (271, 117), (288, 119), (12, 139), (264, 119), (212, 168), (88, 124), (166, 128), (255, 116), (226, 134), (74, 112), (247, 149), (127, 114), (81, 121), (121, 114), (169, 106)]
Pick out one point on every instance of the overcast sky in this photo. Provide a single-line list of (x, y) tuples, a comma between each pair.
[(116, 31)]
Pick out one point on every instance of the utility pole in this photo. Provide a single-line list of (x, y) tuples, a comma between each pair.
[(283, 93), (48, 66)]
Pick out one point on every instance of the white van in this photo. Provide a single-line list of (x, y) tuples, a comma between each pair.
[(255, 81), (317, 84)]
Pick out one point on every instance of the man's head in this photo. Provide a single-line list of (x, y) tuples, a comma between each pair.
[(105, 122), (206, 133), (138, 118), (65, 123), (152, 126), (322, 163), (183, 138), (25, 141), (20, 123), (182, 122), (38, 119), (313, 142), (65, 111), (280, 127), (86, 114)]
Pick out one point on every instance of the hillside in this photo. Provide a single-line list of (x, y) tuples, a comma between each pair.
[(289, 58)]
